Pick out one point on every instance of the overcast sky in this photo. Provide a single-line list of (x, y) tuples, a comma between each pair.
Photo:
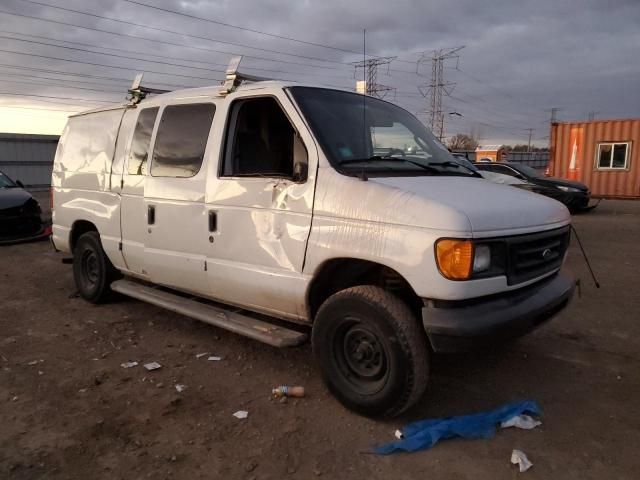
[(520, 58)]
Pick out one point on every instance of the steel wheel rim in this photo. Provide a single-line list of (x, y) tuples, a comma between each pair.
[(90, 267), (361, 357)]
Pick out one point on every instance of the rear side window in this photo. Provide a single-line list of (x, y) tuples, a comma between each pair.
[(141, 140), (181, 140)]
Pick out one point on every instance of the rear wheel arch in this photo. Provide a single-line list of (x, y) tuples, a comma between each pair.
[(339, 274), (79, 228)]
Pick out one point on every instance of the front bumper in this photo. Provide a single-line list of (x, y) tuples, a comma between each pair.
[(464, 325)]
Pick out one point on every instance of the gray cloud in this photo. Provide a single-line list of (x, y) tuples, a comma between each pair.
[(521, 58)]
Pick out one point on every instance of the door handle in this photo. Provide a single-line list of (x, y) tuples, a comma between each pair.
[(151, 214), (213, 220)]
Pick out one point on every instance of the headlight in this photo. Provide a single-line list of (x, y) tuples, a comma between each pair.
[(462, 259), (568, 189), (481, 258)]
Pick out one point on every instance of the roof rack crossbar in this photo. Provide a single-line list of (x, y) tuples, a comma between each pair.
[(138, 93), (234, 78)]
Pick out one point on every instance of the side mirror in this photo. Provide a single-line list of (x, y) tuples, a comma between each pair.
[(300, 171), (19, 183)]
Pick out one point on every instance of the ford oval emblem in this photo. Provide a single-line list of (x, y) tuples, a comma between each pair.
[(547, 253)]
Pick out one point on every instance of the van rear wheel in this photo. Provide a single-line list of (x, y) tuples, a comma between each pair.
[(93, 272), (372, 351)]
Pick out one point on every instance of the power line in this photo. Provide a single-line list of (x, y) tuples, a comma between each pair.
[(57, 85), (130, 69), (165, 42), (246, 29), (67, 81), (117, 56), (81, 75), (39, 108), (152, 55), (59, 98), (125, 22)]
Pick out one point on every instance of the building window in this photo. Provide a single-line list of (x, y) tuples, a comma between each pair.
[(613, 156), (181, 140)]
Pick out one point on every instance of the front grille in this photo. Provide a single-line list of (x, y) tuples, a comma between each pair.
[(533, 255)]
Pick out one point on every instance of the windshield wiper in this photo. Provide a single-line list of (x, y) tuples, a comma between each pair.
[(449, 163), (378, 158)]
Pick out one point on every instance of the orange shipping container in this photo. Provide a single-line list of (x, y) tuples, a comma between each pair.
[(603, 154)]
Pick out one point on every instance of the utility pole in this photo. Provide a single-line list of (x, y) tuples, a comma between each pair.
[(437, 86), (370, 76), (592, 115), (531, 130)]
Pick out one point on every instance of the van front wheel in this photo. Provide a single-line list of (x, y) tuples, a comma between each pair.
[(372, 351), (93, 272)]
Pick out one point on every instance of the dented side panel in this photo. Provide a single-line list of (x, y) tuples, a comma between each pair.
[(257, 252)]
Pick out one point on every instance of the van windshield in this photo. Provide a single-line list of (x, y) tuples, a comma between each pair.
[(366, 135)]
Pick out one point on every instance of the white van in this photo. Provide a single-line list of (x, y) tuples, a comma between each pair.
[(340, 214)]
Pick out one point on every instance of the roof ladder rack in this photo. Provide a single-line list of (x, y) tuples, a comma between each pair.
[(138, 93), (234, 78)]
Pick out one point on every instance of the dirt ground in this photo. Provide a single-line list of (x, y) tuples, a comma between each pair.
[(69, 410)]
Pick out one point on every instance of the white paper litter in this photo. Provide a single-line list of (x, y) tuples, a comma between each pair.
[(241, 414), (180, 387), (521, 421), (129, 364), (152, 366), (398, 434), (519, 458), (33, 362), (214, 359), (200, 355)]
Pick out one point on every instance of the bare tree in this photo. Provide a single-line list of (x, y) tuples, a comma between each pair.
[(461, 141)]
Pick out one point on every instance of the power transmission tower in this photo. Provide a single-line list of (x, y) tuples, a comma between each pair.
[(438, 86), (592, 115), (370, 76), (531, 130)]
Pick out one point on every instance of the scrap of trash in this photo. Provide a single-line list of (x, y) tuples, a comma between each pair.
[(152, 366), (241, 414), (129, 364), (518, 457), (424, 434), (286, 391)]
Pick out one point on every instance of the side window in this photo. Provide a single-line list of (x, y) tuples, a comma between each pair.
[(260, 140), (141, 139), (181, 140)]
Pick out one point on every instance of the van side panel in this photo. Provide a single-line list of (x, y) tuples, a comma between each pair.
[(81, 180)]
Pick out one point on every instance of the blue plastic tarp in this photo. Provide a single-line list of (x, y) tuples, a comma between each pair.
[(425, 434)]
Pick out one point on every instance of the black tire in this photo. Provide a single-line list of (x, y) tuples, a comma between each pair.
[(93, 272), (372, 351)]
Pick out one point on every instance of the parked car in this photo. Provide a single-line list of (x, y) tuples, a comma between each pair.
[(574, 195), (20, 213), (263, 202)]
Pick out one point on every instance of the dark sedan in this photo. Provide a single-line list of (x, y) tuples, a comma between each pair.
[(574, 195), (20, 214)]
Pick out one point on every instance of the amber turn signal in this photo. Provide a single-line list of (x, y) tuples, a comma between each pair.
[(454, 258)]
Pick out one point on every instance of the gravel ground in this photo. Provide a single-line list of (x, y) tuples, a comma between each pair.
[(69, 410)]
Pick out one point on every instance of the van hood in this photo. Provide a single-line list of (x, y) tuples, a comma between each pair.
[(491, 208)]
